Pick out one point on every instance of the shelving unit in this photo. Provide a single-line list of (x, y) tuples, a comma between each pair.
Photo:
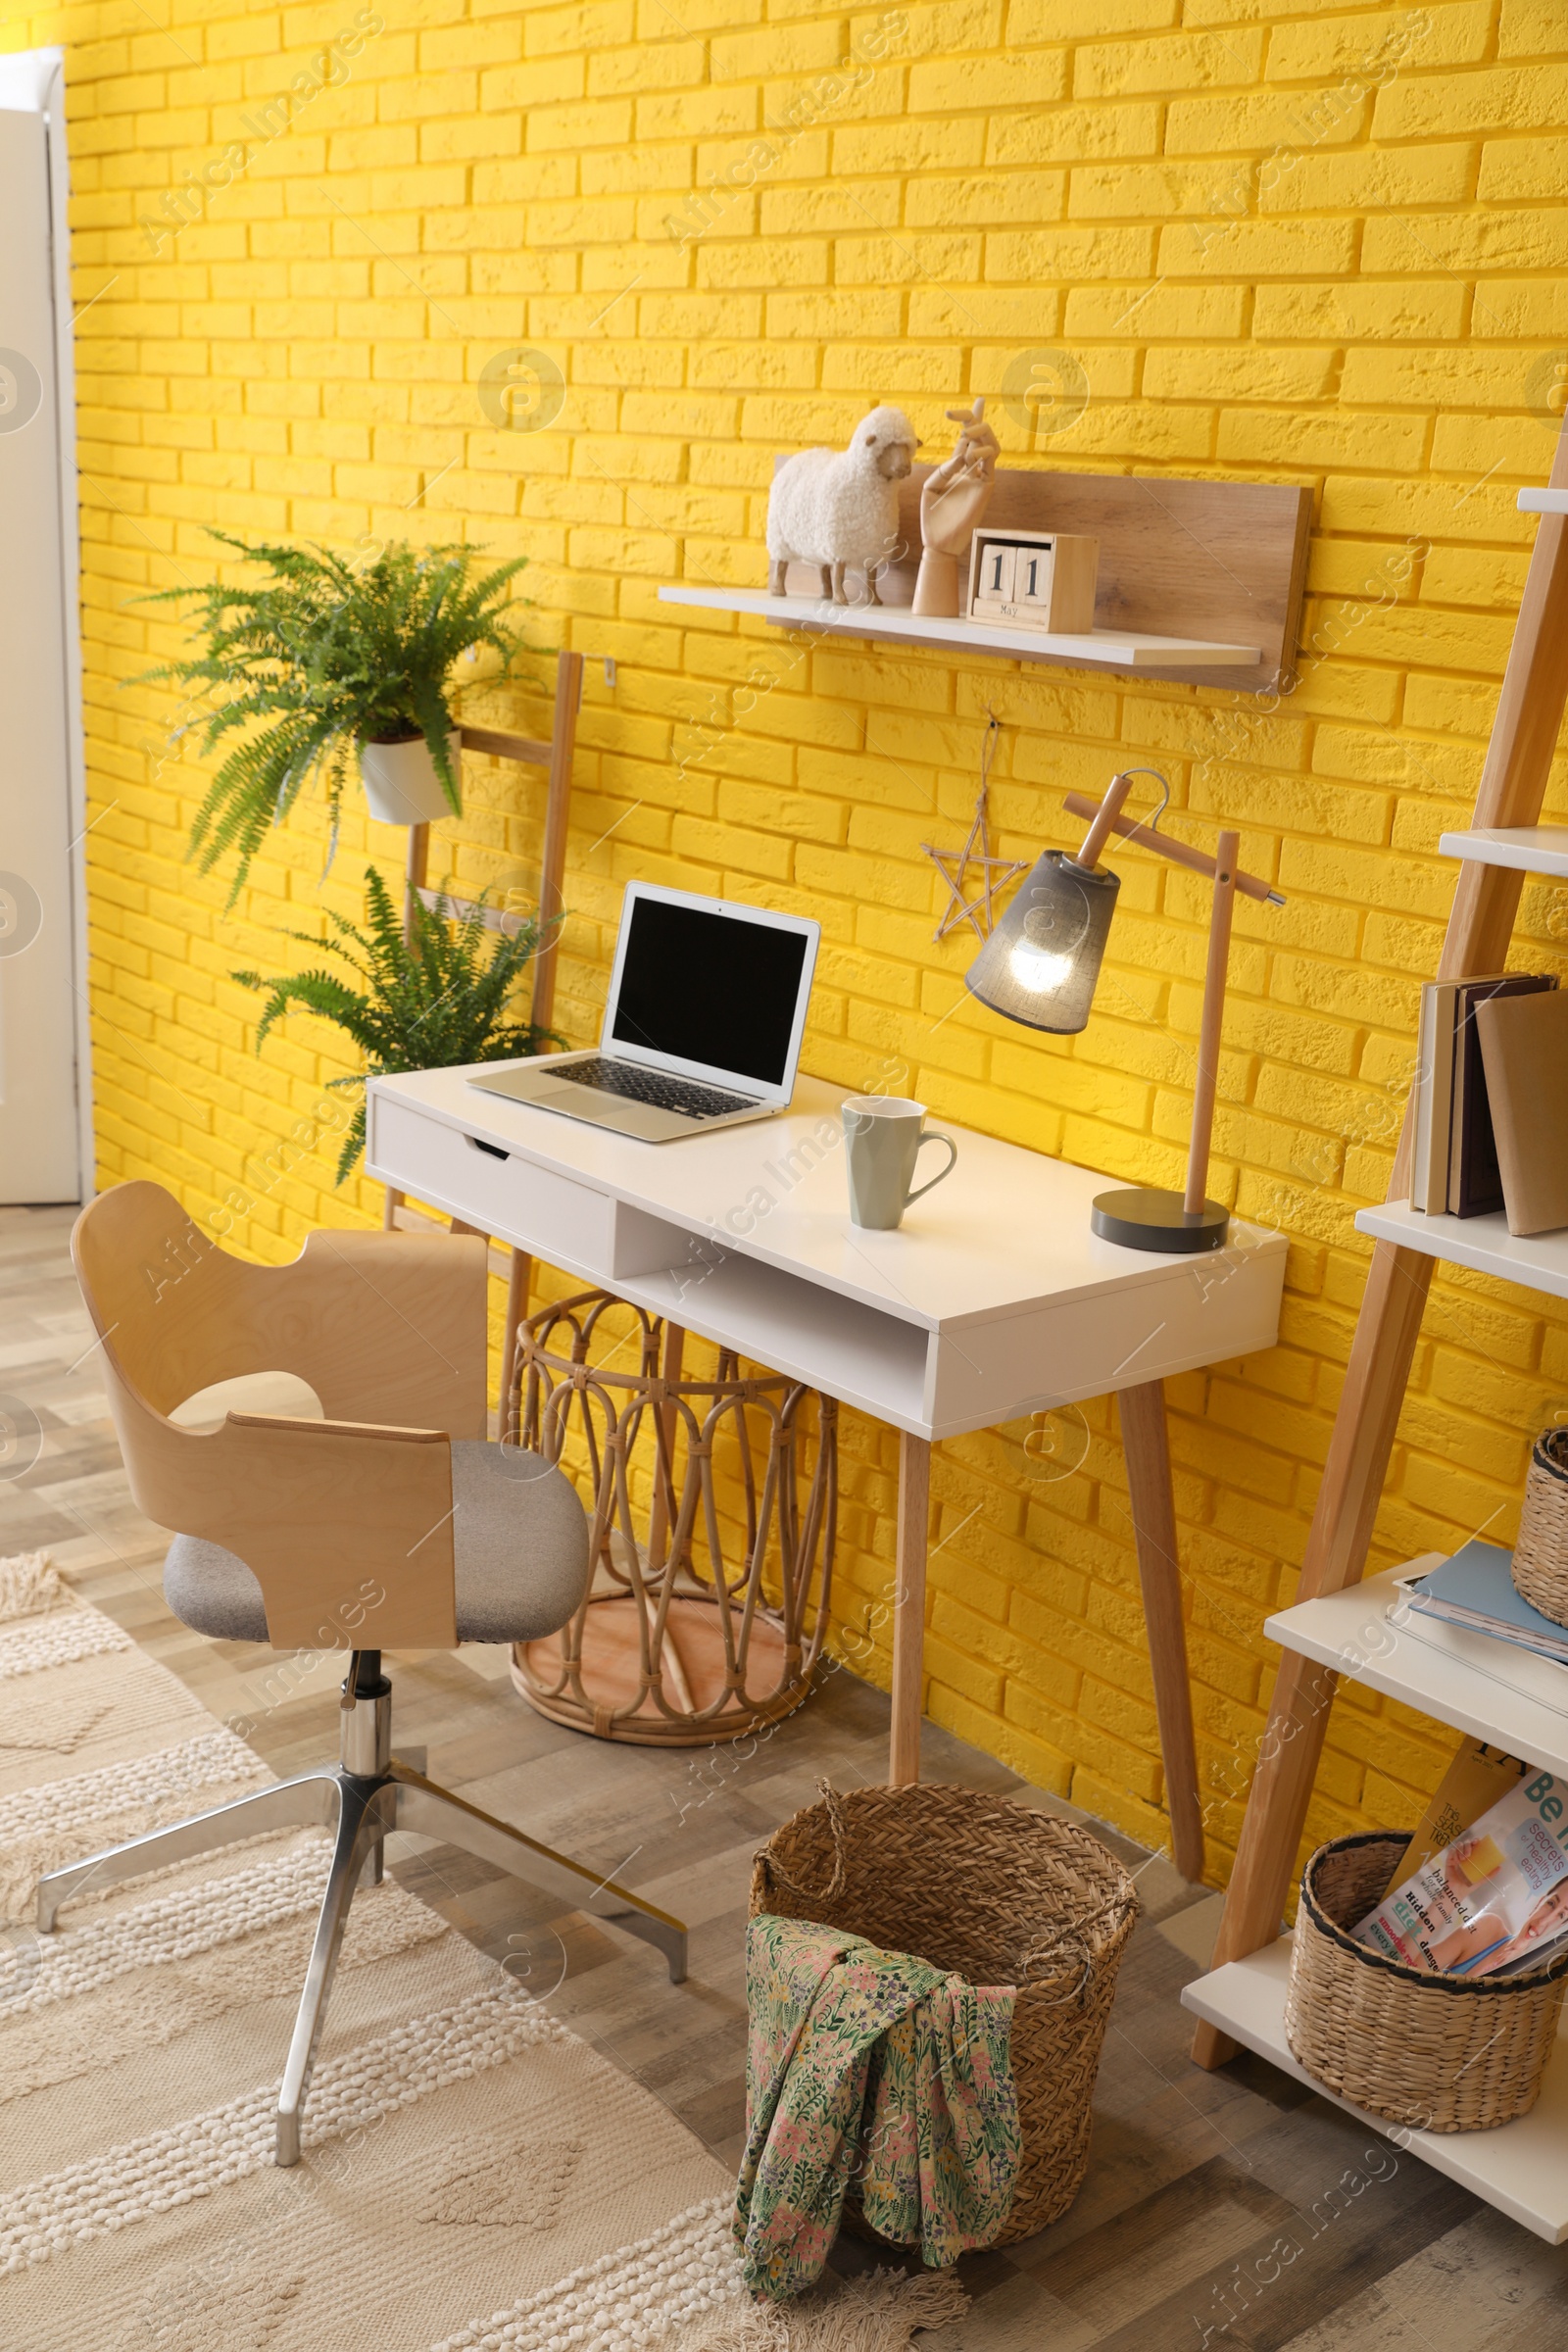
[(1338, 1627), (1097, 649)]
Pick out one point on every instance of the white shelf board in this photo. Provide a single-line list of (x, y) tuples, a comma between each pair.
[(1522, 2168), (1491, 1690), (869, 1360), (1539, 1261), (1528, 849), (1122, 649), (1544, 501)]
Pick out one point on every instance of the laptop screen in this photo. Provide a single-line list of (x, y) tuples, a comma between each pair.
[(710, 988)]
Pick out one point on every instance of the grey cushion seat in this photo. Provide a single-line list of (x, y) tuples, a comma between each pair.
[(520, 1539)]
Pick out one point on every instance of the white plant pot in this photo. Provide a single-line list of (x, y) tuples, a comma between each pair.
[(401, 784)]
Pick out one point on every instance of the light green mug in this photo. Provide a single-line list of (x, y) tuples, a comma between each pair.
[(882, 1138)]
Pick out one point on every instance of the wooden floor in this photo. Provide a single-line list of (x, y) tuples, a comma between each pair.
[(1228, 2208)]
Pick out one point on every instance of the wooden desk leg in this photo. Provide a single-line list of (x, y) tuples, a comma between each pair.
[(908, 1610), (1148, 1452), (517, 1286)]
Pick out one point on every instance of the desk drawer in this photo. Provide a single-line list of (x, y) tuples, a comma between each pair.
[(558, 1219)]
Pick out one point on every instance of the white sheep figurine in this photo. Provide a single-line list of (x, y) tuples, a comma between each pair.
[(835, 508)]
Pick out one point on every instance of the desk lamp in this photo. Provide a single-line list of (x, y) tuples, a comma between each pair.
[(1042, 962)]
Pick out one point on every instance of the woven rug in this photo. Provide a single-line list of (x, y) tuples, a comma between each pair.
[(474, 2176)]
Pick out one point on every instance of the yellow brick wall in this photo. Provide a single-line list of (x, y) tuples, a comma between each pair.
[(1282, 241)]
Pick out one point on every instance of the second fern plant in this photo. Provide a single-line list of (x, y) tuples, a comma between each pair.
[(429, 1001)]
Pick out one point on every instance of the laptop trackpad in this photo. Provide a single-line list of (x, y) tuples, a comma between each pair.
[(616, 1111)]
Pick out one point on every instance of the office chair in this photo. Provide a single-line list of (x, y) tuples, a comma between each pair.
[(373, 1517)]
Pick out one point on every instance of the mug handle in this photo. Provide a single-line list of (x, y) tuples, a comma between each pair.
[(931, 1136)]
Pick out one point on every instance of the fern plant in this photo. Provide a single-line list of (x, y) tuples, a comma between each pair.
[(320, 659), (430, 1001)]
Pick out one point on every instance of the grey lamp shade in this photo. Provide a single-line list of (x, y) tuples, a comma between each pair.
[(1041, 962)]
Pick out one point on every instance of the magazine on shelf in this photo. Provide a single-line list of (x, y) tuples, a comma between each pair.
[(1485, 1900), (1478, 1776), (1542, 1939), (1475, 1589)]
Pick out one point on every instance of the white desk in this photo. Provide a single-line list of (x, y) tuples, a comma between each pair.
[(992, 1300)]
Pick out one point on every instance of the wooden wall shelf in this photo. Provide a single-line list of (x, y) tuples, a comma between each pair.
[(893, 624), (1199, 582)]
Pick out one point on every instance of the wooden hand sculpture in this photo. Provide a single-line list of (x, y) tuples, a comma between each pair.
[(952, 504)]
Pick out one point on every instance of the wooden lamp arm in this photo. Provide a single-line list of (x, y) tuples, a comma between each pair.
[(1208, 1036), (1104, 816), (1197, 862)]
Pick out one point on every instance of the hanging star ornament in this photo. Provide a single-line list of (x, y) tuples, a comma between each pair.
[(954, 864), (996, 874)]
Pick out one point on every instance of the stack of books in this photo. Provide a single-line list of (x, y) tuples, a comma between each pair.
[(1491, 1100)]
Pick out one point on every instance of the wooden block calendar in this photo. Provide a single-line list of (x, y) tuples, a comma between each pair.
[(1034, 580)]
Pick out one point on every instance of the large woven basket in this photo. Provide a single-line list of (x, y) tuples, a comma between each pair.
[(993, 1892), (1541, 1555), (1433, 2053)]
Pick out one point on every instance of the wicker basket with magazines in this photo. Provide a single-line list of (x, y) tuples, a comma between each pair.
[(1435, 2054), (1541, 1555)]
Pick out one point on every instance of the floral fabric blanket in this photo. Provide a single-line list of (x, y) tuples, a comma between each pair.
[(872, 2069)]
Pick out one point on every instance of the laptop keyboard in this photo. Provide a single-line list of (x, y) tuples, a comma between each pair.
[(635, 1085)]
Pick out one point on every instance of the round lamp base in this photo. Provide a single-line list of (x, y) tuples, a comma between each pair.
[(1145, 1218)]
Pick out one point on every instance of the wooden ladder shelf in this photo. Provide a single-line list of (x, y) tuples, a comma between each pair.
[(1513, 784)]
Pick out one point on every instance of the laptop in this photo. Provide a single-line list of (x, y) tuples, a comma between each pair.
[(702, 1026)]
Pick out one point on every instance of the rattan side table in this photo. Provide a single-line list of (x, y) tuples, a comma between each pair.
[(712, 1544)]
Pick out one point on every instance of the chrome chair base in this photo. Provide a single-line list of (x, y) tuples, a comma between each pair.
[(366, 1793)]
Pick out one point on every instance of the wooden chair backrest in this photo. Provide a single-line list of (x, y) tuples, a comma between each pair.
[(346, 1523)]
